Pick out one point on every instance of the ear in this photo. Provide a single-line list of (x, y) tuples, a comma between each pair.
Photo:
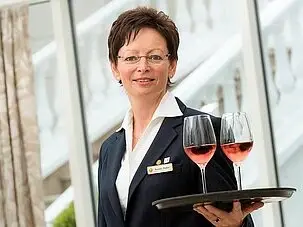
[(115, 71), (172, 68)]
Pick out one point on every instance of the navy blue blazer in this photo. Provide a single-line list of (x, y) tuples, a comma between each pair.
[(185, 179)]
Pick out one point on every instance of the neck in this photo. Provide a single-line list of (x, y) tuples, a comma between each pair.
[(143, 109)]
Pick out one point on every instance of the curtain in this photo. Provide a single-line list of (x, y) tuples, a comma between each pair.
[(21, 198)]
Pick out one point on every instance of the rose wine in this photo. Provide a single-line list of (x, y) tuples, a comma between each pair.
[(237, 152), (201, 154)]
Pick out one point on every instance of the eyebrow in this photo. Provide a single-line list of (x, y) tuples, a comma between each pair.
[(137, 51)]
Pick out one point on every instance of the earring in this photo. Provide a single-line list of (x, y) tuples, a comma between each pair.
[(118, 78)]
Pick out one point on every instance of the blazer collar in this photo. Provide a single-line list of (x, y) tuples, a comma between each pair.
[(163, 139)]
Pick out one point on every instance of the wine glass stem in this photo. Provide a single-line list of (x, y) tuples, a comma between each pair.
[(238, 175), (202, 168)]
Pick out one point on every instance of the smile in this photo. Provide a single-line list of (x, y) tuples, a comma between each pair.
[(144, 80)]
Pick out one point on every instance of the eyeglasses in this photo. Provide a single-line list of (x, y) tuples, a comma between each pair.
[(151, 58)]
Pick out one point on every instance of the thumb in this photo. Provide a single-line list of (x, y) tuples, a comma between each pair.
[(255, 206)]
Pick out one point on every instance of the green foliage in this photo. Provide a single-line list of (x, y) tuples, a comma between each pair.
[(66, 218)]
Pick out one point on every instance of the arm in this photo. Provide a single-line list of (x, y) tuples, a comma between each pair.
[(101, 220)]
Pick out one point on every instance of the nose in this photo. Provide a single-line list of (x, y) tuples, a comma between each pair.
[(143, 65)]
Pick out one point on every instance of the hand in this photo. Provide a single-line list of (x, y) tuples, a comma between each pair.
[(220, 218)]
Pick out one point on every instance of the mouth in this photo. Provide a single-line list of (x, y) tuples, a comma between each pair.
[(144, 80)]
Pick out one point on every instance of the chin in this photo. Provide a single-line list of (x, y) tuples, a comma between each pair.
[(149, 92)]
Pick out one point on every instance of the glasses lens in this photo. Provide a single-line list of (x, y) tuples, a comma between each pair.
[(131, 59)]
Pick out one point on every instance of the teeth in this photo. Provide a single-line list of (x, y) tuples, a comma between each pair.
[(144, 80)]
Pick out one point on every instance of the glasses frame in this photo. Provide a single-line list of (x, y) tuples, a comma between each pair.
[(145, 56)]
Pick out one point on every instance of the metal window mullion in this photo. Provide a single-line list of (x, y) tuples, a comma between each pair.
[(80, 159), (258, 106)]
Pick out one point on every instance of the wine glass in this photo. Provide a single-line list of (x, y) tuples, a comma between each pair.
[(236, 140), (199, 142)]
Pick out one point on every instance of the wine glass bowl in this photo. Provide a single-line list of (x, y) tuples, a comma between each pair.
[(236, 140), (237, 152), (199, 141), (200, 154)]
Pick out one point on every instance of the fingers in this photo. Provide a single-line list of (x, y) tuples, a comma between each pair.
[(252, 207), (236, 216), (208, 215), (215, 211), (237, 206)]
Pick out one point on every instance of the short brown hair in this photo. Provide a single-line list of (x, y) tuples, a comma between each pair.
[(131, 21)]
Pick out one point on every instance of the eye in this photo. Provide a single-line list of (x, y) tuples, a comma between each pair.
[(155, 57), (131, 58)]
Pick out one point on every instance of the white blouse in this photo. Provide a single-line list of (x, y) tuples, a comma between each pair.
[(168, 107)]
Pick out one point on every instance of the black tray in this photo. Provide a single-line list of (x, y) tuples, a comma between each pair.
[(223, 199)]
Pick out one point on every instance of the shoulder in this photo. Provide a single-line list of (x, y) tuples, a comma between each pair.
[(111, 139), (216, 121), (107, 143), (191, 112)]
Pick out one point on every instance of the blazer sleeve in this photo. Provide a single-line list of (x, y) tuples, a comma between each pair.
[(101, 220), (248, 222)]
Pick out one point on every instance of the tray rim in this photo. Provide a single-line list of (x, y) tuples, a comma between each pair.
[(282, 192)]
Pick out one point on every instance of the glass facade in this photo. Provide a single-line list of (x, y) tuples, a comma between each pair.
[(282, 50), (48, 88)]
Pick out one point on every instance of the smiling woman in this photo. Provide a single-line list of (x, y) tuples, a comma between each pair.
[(143, 45), (143, 65)]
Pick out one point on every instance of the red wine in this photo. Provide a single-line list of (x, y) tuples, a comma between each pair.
[(237, 152), (201, 154)]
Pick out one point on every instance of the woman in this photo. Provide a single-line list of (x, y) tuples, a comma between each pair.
[(143, 45)]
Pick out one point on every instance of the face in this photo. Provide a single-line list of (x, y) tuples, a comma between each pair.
[(147, 76)]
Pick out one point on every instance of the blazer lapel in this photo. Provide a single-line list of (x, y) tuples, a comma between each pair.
[(116, 153), (162, 140)]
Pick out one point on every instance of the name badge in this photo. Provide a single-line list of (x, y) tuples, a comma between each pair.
[(160, 168)]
